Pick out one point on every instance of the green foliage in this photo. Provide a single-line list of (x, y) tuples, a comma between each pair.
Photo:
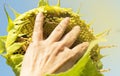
[(10, 22), (85, 66), (2, 44), (20, 32)]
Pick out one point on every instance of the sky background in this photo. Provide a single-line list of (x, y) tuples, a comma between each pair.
[(101, 14)]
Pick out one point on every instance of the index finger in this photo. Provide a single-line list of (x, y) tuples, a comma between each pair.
[(38, 28)]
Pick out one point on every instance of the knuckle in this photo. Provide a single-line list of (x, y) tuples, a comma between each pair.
[(67, 49), (66, 20), (61, 43), (70, 35)]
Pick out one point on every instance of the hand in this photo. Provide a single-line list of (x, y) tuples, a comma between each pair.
[(52, 55)]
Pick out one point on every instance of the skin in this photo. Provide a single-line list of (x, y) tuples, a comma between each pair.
[(51, 55)]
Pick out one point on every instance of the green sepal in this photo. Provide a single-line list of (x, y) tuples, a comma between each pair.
[(11, 49), (43, 3), (15, 61), (10, 21), (58, 4), (14, 11), (11, 38), (103, 34), (78, 11), (2, 44), (3, 38)]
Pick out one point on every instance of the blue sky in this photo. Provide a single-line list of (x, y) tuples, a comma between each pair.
[(101, 14)]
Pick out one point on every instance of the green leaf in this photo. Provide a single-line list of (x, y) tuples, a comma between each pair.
[(85, 66)]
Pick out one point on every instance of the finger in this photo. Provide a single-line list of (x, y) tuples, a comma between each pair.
[(66, 60), (60, 59), (69, 57), (80, 49), (58, 31), (38, 28), (70, 38)]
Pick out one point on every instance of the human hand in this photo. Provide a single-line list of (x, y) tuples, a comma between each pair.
[(52, 55)]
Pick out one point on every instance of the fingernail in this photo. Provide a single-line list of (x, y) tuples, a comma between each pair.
[(66, 20), (40, 14), (85, 44)]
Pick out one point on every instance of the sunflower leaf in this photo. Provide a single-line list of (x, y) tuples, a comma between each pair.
[(85, 66)]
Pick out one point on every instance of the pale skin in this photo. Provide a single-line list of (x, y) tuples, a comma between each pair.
[(51, 55)]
